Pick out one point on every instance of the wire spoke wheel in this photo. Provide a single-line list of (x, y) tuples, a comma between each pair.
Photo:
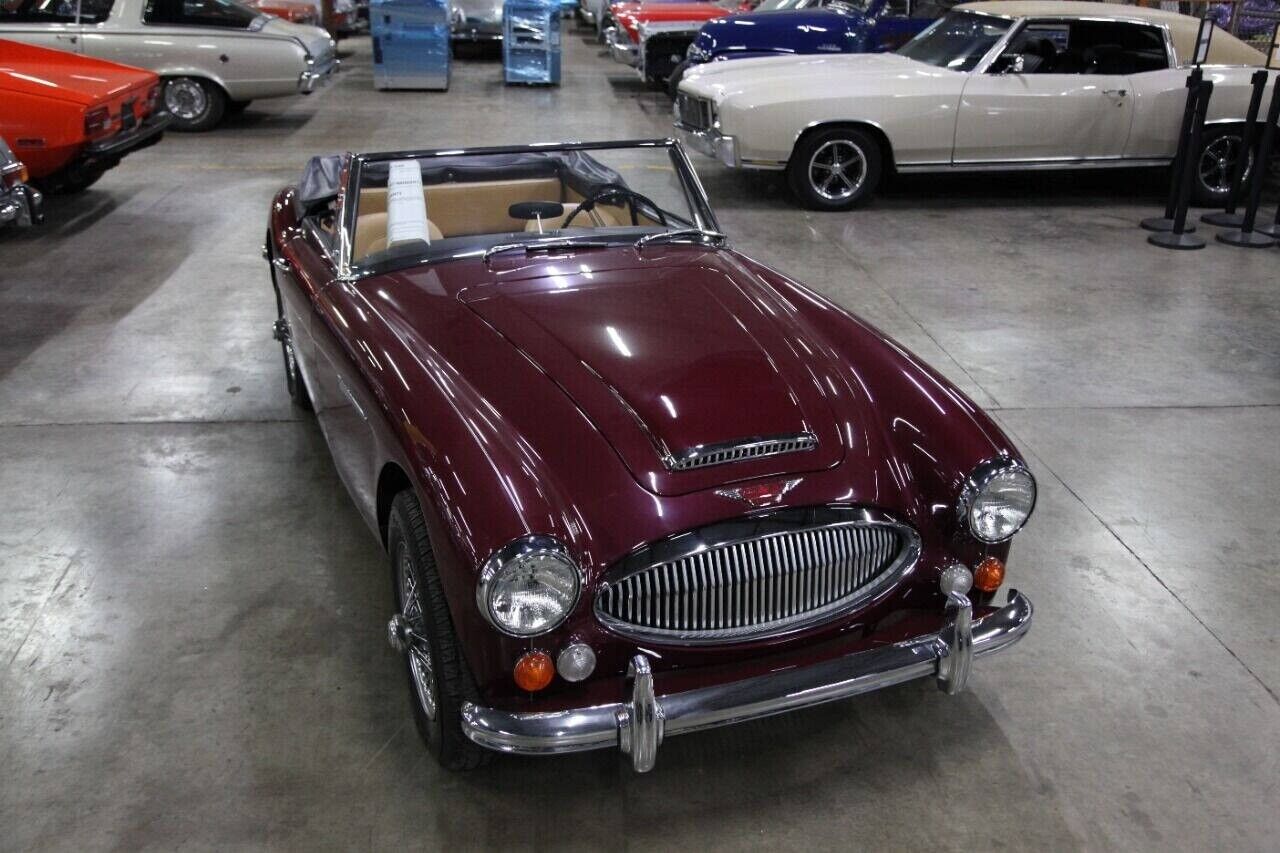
[(420, 664), (837, 169), (186, 99), (1218, 163)]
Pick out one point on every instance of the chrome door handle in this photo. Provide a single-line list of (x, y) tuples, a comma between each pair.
[(1119, 93), (281, 264), (71, 39)]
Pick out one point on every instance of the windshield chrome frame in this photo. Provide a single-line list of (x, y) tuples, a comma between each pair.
[(695, 195)]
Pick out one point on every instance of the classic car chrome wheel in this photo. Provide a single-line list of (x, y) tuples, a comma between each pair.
[(837, 170), (195, 104), (834, 169), (435, 664), (1218, 162), (420, 667)]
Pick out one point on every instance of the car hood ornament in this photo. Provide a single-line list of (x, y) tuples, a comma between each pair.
[(760, 494)]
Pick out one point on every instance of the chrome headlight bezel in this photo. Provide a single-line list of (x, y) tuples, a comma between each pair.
[(978, 481), (507, 558)]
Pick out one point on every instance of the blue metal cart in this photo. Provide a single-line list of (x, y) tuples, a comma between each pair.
[(531, 41), (410, 43)]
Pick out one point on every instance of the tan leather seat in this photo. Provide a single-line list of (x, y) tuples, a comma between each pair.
[(371, 234)]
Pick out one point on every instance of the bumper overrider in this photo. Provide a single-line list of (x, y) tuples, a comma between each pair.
[(621, 47), (20, 204), (710, 142), (638, 724), (317, 74)]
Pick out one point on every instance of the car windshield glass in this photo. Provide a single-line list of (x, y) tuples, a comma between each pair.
[(203, 13), (447, 203), (957, 41)]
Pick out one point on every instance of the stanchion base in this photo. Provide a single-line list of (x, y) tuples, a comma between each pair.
[(1177, 241), (1271, 229), (1158, 223), (1223, 219), (1247, 239)]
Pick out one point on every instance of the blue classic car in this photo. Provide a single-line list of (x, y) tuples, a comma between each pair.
[(810, 26)]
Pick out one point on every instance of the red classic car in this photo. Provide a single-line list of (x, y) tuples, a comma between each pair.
[(632, 483), (70, 117), (293, 11)]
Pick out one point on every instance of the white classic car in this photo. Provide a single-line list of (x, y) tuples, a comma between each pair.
[(991, 85), (214, 56)]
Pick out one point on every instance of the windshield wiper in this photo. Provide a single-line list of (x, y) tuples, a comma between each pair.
[(682, 235), (539, 245)]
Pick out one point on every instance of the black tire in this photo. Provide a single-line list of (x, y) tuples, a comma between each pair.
[(673, 82), (450, 682), (194, 103), (70, 184), (235, 108), (827, 148), (1215, 164), (297, 386)]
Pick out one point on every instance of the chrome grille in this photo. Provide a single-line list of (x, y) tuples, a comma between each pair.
[(695, 113), (758, 586), (739, 451)]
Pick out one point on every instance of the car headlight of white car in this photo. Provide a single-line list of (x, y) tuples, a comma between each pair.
[(529, 586), (997, 500)]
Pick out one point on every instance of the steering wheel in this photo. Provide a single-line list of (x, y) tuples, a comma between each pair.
[(606, 192)]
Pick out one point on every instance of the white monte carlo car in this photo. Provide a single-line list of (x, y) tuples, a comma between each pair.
[(214, 56), (991, 85)]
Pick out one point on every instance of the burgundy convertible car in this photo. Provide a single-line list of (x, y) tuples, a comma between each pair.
[(632, 483)]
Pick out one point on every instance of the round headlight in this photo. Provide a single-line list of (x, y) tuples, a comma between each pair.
[(528, 587), (997, 500)]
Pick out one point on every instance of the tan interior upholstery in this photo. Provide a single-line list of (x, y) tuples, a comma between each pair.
[(477, 207), (371, 232)]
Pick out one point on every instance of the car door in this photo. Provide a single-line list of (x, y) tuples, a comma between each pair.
[(47, 23), (1059, 91)]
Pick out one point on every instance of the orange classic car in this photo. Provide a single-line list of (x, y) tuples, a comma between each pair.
[(70, 118)]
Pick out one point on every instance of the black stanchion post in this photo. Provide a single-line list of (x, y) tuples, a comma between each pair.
[(1246, 235), (1165, 223), (1229, 218), (1178, 238)]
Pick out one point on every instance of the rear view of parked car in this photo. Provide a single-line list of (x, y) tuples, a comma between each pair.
[(20, 204), (213, 56), (71, 118)]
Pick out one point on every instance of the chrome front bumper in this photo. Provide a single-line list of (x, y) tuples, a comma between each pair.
[(621, 47), (713, 143), (22, 206), (316, 75), (638, 725)]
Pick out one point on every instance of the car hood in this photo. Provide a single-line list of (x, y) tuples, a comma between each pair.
[(665, 356), (798, 31), (65, 76), (317, 41), (718, 79)]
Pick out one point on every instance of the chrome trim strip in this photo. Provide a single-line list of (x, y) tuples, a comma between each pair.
[(1029, 165), (756, 447), (597, 727)]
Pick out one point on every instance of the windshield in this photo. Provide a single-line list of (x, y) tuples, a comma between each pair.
[(957, 41), (445, 203)]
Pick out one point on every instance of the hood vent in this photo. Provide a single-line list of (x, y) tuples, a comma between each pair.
[(706, 455)]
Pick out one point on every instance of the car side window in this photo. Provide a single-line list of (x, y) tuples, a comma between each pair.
[(1084, 47), (95, 11), (198, 13), (37, 11)]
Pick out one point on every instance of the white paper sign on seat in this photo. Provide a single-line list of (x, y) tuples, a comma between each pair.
[(406, 204)]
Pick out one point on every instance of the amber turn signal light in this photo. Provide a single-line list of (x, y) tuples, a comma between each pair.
[(989, 574), (534, 671)]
